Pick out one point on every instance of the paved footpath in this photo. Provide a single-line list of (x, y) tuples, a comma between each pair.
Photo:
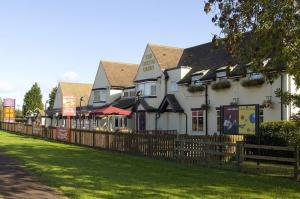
[(15, 182)]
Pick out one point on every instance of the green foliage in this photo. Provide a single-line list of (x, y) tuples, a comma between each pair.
[(252, 82), (222, 84), (193, 89), (1, 109), (33, 99), (52, 96), (281, 132), (288, 98), (80, 172), (262, 33)]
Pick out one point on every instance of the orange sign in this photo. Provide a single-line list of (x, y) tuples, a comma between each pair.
[(9, 114), (69, 106)]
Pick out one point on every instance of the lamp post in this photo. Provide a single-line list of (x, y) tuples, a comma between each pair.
[(137, 100)]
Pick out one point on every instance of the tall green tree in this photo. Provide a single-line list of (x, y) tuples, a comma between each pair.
[(1, 109), (264, 33), (33, 99), (52, 96)]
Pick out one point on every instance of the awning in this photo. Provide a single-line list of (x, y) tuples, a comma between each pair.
[(110, 110)]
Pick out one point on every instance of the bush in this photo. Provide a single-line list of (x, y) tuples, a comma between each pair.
[(194, 89), (280, 133), (222, 84)]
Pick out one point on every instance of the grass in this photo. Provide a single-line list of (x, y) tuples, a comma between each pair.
[(80, 172)]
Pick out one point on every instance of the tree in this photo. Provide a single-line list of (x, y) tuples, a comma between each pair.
[(263, 33), (52, 96), (1, 109), (33, 99)]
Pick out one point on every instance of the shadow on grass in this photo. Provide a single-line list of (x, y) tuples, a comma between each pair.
[(87, 173)]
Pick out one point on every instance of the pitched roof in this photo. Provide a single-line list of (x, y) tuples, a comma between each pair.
[(124, 103), (120, 74), (166, 56), (203, 57), (170, 100), (77, 90)]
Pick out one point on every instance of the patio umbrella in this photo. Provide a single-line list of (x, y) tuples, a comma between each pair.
[(110, 110)]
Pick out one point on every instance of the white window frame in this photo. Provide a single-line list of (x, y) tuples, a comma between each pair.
[(102, 96), (147, 88), (221, 74), (255, 76), (197, 117), (196, 80)]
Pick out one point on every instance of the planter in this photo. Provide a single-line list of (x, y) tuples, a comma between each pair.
[(193, 89), (253, 82), (222, 84)]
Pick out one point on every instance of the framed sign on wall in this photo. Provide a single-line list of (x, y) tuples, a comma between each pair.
[(240, 119)]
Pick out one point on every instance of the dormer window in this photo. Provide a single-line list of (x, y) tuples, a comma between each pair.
[(196, 80), (100, 96), (255, 76), (147, 88), (129, 93)]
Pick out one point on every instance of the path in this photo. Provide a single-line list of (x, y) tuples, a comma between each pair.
[(15, 182)]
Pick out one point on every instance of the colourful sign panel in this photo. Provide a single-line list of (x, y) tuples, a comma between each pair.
[(9, 102), (69, 106), (240, 119), (63, 134), (9, 114)]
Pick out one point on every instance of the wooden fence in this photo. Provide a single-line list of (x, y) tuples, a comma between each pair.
[(206, 152), (168, 146)]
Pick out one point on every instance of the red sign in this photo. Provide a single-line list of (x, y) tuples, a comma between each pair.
[(69, 106)]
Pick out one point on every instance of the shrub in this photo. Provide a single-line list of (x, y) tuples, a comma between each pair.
[(222, 84), (281, 133), (252, 82), (194, 89)]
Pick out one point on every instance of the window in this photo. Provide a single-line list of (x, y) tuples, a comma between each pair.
[(197, 120), (116, 122), (148, 88), (196, 80), (100, 96), (173, 86), (96, 96), (120, 122), (218, 120), (261, 115), (221, 74), (255, 76), (129, 93)]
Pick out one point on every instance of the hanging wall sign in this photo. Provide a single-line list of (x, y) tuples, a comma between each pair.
[(69, 106)]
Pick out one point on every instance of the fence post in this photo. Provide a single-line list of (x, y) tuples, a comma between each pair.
[(93, 138), (239, 154), (296, 167)]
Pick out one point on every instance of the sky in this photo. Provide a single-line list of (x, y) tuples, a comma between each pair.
[(64, 40)]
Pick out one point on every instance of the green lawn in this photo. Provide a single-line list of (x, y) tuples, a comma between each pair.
[(80, 172)]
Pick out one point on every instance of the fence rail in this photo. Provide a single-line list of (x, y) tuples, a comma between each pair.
[(182, 148)]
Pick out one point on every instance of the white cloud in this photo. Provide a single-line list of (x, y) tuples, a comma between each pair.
[(70, 76), (6, 87)]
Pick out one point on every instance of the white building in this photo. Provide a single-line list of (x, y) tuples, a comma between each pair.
[(114, 86)]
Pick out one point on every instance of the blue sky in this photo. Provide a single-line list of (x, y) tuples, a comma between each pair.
[(64, 40)]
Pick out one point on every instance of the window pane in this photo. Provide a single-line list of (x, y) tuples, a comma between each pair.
[(147, 89), (200, 123), (153, 89), (173, 86), (194, 123), (103, 96), (116, 122), (96, 96)]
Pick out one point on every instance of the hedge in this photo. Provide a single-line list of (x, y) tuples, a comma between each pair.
[(280, 133)]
